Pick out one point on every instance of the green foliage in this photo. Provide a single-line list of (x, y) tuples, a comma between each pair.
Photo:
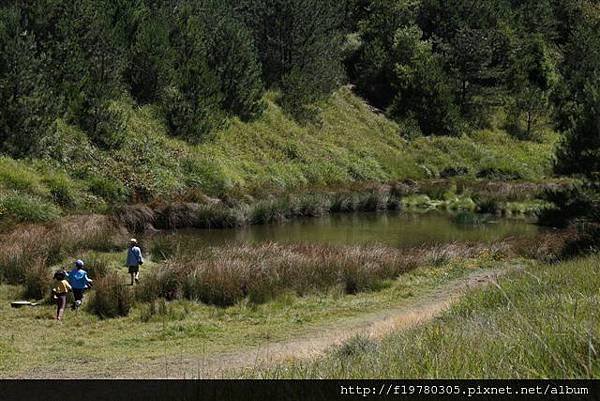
[(62, 190), (68, 60), (17, 176), (448, 67), (533, 78), (192, 100), (578, 102), (95, 88), (109, 189), (97, 265), (374, 64), (422, 86), (25, 105), (299, 45), (249, 161), (232, 55), (27, 208), (147, 73), (485, 333)]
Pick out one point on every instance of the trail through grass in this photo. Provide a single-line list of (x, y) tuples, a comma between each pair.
[(543, 322)]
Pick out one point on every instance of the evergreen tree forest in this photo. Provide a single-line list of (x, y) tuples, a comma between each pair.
[(442, 68)]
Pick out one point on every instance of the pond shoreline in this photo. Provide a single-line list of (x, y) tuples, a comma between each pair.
[(507, 199), (27, 252)]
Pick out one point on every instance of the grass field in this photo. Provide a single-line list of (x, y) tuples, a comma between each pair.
[(543, 322), (32, 344)]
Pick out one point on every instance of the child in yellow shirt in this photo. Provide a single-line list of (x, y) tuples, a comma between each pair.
[(60, 292)]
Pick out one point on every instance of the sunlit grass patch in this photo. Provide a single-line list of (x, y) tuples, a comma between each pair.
[(539, 323)]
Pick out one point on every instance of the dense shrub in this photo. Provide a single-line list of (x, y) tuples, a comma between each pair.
[(109, 189), (25, 208), (97, 265), (137, 218), (216, 284), (62, 189), (21, 248), (586, 240), (162, 248), (111, 298), (162, 282), (38, 280)]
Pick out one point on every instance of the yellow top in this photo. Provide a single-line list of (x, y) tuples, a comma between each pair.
[(62, 288)]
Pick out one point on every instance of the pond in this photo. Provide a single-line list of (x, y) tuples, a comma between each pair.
[(393, 229)]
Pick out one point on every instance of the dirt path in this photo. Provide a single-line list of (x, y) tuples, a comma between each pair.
[(317, 342)]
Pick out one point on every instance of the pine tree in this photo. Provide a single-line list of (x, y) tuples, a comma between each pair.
[(299, 42), (26, 102), (192, 100)]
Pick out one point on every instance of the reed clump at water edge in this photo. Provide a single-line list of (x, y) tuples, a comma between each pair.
[(226, 275), (490, 197), (27, 252)]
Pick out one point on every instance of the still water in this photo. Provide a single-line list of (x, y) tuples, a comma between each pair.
[(392, 229)]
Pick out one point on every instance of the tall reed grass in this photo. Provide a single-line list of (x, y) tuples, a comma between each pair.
[(227, 275), (111, 297), (264, 211), (29, 246), (454, 195)]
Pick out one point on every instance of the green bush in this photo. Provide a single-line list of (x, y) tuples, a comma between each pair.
[(62, 189), (97, 265), (162, 248), (107, 188), (215, 285), (204, 173), (344, 202), (17, 176), (269, 211), (313, 205), (219, 216), (26, 208), (373, 201), (162, 282)]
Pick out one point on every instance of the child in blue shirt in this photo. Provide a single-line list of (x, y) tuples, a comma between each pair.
[(79, 280)]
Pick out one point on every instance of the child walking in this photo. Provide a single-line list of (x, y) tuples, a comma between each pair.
[(60, 292), (80, 282)]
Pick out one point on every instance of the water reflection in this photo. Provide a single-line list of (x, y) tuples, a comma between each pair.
[(393, 229)]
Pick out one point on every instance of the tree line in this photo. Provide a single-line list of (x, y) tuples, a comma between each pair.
[(439, 67)]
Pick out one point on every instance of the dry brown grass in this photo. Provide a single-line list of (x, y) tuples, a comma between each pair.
[(137, 218), (224, 276), (27, 247), (546, 247), (111, 297)]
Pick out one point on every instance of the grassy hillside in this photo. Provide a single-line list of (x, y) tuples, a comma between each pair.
[(540, 323), (349, 143)]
